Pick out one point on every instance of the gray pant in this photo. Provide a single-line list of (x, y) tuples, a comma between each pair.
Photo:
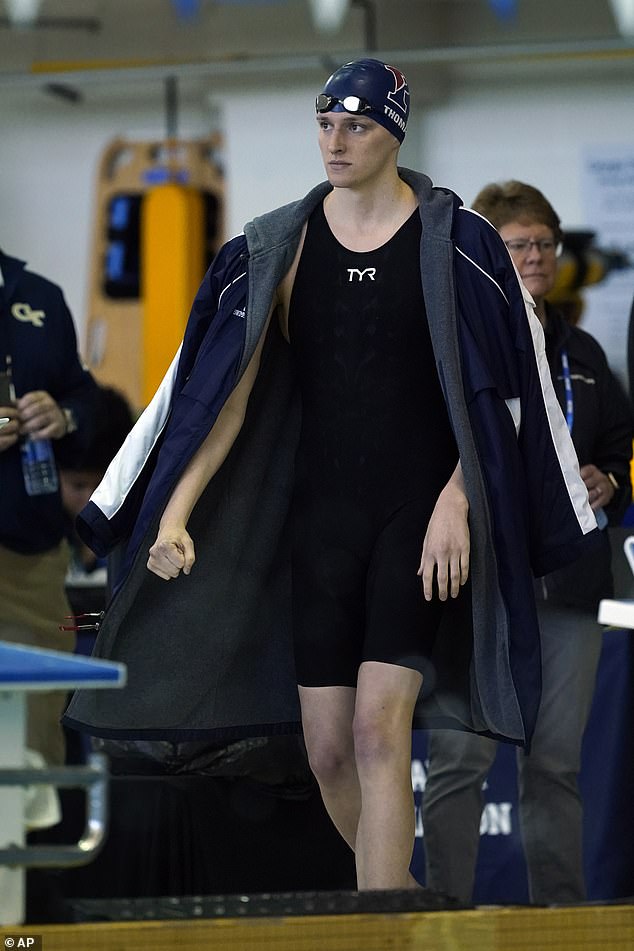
[(550, 809)]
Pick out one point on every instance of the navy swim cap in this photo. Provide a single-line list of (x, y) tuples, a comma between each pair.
[(382, 88)]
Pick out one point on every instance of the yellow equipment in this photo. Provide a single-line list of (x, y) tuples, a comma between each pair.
[(158, 223)]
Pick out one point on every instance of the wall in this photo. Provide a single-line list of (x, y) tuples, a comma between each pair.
[(49, 154), (540, 131), (479, 131), (525, 129), (271, 156)]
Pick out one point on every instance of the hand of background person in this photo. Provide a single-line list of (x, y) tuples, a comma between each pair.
[(40, 416), (600, 489), (172, 552), (447, 545), (10, 433)]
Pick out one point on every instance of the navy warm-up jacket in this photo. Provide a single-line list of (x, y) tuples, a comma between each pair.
[(210, 655)]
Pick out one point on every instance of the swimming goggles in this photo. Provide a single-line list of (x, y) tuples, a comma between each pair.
[(354, 104)]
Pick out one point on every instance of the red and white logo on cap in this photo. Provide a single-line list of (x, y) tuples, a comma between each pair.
[(400, 94)]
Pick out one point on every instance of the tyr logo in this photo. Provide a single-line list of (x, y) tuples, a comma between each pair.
[(369, 271)]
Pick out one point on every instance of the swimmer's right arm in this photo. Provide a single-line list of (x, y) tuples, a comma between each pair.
[(173, 551)]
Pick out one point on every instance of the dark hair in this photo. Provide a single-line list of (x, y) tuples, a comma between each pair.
[(504, 202), (114, 420)]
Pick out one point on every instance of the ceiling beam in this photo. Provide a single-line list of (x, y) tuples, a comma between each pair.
[(244, 67)]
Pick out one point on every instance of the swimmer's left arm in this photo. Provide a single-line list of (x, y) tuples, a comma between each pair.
[(447, 544)]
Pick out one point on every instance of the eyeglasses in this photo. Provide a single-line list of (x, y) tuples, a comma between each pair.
[(543, 245), (354, 104)]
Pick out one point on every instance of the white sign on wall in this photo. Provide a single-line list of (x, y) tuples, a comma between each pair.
[(608, 202)]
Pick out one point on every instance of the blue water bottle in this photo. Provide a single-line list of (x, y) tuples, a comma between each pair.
[(38, 466)]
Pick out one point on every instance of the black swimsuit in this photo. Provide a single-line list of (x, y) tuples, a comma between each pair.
[(376, 449)]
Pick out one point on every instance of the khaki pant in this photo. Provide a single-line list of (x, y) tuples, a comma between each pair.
[(33, 604)]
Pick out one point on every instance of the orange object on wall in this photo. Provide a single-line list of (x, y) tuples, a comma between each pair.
[(172, 267), (159, 221)]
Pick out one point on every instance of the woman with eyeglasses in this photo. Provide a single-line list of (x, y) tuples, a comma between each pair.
[(352, 369), (598, 416)]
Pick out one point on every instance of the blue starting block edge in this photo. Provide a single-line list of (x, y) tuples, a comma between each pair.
[(31, 668)]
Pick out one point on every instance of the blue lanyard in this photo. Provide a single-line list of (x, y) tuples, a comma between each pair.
[(570, 404)]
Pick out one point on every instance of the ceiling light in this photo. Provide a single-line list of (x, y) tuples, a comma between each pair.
[(328, 15), (22, 12), (623, 11)]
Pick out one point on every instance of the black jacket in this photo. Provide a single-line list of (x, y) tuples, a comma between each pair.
[(36, 329), (602, 434)]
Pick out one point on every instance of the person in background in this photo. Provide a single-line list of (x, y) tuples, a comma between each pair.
[(82, 469), (49, 398), (319, 431), (600, 421)]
